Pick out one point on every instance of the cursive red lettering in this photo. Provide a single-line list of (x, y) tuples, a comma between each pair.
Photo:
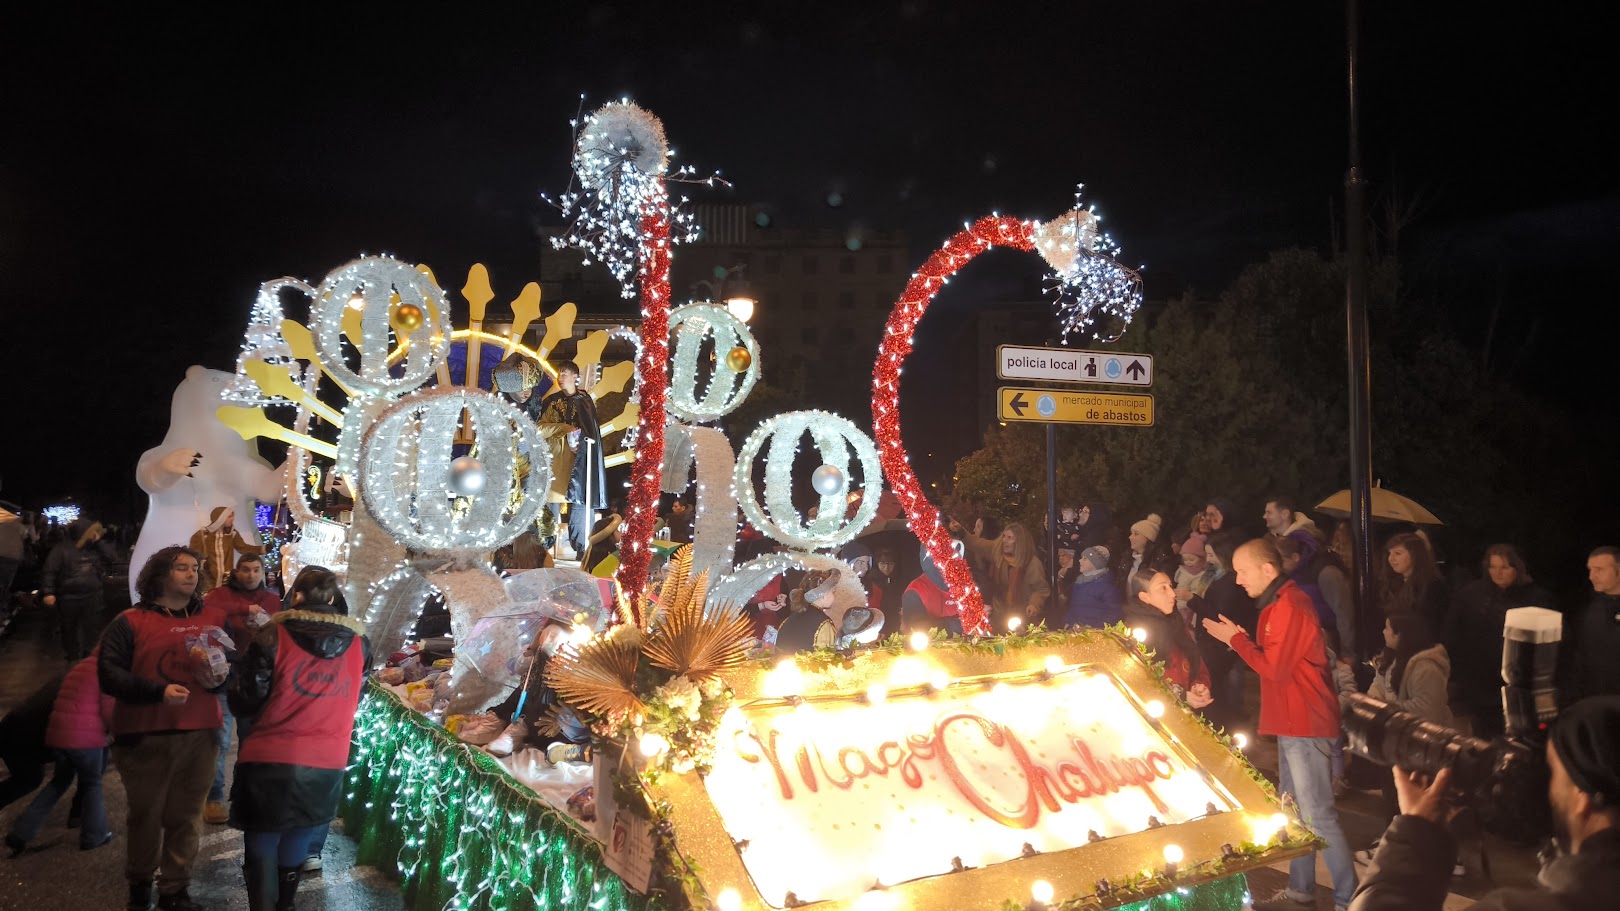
[(866, 767), (1157, 759), (806, 771), (1021, 817), (768, 751)]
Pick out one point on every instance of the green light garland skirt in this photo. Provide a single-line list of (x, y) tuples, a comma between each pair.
[(464, 834), (461, 832)]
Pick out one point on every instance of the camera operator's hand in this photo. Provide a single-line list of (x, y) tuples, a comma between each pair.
[(1418, 796)]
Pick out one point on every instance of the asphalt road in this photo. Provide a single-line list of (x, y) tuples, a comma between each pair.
[(54, 875)]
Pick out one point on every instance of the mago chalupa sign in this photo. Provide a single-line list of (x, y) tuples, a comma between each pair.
[(959, 778)]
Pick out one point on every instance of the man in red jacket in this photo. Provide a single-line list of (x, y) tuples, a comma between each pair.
[(1299, 706), (247, 605)]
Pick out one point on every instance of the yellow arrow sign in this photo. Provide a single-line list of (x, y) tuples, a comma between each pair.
[(1071, 406)]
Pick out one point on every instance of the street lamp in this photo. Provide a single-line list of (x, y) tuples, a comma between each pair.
[(731, 286)]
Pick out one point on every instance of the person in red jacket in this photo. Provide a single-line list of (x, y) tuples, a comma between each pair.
[(300, 682), (247, 606), (1299, 706), (165, 724), (78, 734)]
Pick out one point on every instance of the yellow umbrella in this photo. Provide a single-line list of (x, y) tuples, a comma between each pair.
[(1387, 506)]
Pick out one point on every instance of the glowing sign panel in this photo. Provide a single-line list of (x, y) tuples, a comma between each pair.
[(835, 797)]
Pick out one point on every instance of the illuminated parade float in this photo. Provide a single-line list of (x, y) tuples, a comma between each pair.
[(708, 769)]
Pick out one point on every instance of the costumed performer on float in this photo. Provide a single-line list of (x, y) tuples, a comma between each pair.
[(568, 421), (218, 544)]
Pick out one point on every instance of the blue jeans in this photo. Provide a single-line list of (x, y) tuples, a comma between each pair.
[(288, 849), (86, 766), (1305, 770), (216, 792)]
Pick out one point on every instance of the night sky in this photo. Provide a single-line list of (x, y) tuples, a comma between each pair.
[(153, 172)]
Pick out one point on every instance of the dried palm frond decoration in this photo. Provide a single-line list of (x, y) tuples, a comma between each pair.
[(691, 641), (677, 692), (600, 676), (676, 583)]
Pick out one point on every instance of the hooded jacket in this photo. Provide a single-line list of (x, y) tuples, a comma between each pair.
[(1423, 686), (303, 704), (1297, 697), (1412, 869), (75, 568)]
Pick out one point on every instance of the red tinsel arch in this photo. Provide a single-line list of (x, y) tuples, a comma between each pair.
[(652, 372), (921, 515)]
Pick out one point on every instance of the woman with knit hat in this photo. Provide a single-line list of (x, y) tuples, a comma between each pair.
[(1146, 553)]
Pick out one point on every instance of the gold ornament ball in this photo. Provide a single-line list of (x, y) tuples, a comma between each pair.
[(407, 317), (738, 359)]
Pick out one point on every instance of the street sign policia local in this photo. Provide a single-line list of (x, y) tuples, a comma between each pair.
[(1074, 406), (1066, 365)]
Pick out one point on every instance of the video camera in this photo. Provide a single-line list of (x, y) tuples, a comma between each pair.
[(1505, 780)]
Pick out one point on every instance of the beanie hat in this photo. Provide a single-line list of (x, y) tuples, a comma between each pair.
[(1148, 527), (1587, 740), (1194, 548), (1098, 556)]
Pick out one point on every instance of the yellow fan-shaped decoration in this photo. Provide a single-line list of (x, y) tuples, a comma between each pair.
[(600, 677), (690, 640)]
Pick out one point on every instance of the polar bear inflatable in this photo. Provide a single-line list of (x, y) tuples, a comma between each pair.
[(200, 464)]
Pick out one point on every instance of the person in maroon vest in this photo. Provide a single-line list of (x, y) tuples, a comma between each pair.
[(300, 682), (165, 724), (248, 606)]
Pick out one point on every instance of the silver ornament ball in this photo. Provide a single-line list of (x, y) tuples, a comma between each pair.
[(467, 476), (828, 481)]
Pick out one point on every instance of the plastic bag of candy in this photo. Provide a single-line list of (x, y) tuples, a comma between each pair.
[(208, 650)]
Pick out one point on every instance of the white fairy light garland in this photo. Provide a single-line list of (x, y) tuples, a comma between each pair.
[(834, 436), (405, 471), (739, 587), (371, 284), (1088, 280), (689, 327), (621, 160), (263, 342)]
